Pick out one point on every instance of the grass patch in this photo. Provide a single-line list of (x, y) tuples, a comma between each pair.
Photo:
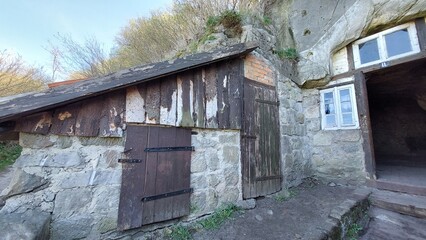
[(353, 231), (219, 217), (282, 197), (9, 152), (180, 233), (288, 53)]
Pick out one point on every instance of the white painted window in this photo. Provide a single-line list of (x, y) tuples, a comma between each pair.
[(387, 45), (338, 108)]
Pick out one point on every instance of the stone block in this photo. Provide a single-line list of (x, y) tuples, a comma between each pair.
[(71, 228), (199, 200), (198, 181), (63, 142), (31, 225), (348, 136), (231, 155), (107, 177), (106, 199), (246, 204), (198, 162), (102, 141), (213, 161), (107, 224), (312, 112), (110, 158), (322, 139), (29, 160), (72, 180), (35, 141), (232, 176), (229, 138), (230, 195), (23, 182), (63, 160), (71, 202)]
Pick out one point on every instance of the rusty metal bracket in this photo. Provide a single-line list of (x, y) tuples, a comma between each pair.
[(132, 160), (169, 149), (165, 195)]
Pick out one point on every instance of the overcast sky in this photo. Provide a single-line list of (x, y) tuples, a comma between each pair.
[(27, 25)]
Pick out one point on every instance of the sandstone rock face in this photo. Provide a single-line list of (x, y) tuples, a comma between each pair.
[(322, 27), (32, 225)]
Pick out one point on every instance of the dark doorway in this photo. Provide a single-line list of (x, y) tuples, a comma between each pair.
[(397, 104)]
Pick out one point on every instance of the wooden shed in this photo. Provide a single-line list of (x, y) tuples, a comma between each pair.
[(157, 108)]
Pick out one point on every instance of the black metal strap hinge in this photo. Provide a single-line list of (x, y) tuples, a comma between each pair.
[(132, 160), (165, 195), (169, 149)]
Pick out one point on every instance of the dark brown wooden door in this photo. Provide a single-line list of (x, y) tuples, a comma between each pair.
[(260, 141), (156, 176)]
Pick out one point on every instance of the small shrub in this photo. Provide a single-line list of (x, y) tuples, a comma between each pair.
[(353, 231), (212, 21), (230, 19), (8, 154), (219, 217), (180, 233), (288, 53), (281, 197), (267, 20)]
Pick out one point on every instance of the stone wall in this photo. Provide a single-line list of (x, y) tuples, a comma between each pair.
[(77, 180), (336, 154), (295, 148), (215, 170)]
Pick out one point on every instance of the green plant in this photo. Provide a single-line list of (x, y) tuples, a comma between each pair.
[(288, 53), (9, 152), (219, 217), (230, 19), (212, 21), (282, 197), (180, 233), (267, 20), (353, 230)]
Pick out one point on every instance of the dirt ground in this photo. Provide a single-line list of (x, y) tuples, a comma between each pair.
[(304, 216)]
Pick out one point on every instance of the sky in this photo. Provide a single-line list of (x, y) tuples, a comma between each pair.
[(26, 26)]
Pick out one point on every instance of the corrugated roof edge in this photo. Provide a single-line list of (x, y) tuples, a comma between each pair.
[(42, 101)]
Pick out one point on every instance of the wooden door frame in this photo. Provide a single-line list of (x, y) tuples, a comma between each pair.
[(365, 123)]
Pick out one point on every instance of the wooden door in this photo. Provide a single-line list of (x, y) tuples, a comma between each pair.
[(260, 141), (156, 176)]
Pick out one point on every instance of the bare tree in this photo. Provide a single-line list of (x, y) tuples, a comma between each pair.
[(17, 77)]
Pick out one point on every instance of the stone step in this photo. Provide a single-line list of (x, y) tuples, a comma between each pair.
[(413, 205)]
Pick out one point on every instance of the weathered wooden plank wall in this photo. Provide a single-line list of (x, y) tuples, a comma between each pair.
[(99, 116), (209, 97)]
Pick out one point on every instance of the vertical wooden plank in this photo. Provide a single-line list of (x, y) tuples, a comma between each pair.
[(130, 209), (350, 57), (222, 95), (64, 118), (185, 99), (210, 79), (165, 174), (182, 166), (168, 101), (88, 117), (36, 123), (113, 115), (198, 113), (148, 214), (135, 104), (365, 124), (249, 139), (152, 103), (235, 94)]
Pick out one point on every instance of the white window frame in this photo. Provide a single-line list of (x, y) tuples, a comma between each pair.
[(381, 44), (338, 110)]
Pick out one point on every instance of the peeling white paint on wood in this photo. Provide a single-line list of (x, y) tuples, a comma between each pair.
[(135, 106), (179, 101), (211, 108), (340, 61), (191, 96), (341, 81), (168, 116)]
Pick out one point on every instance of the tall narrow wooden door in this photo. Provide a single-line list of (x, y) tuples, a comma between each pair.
[(260, 141), (156, 176)]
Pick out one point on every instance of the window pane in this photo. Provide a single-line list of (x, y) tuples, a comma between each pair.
[(369, 51), (330, 121), (347, 119), (398, 42), (346, 107), (345, 101), (329, 103)]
